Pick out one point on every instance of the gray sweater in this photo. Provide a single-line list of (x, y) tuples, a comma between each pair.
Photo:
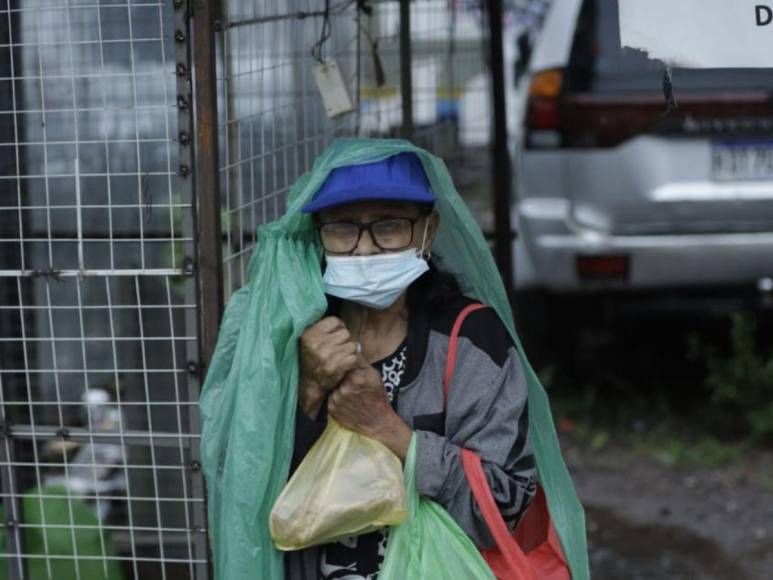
[(486, 412)]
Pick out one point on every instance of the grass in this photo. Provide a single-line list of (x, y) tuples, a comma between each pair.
[(667, 443), (704, 451)]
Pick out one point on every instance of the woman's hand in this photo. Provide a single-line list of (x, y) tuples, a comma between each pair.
[(326, 354), (360, 404)]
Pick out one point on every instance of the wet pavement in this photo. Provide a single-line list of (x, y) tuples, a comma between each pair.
[(650, 521), (622, 550)]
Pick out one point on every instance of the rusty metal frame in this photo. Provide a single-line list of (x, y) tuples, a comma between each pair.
[(209, 264), (198, 151)]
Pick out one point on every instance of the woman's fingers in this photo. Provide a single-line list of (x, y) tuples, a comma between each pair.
[(334, 401), (342, 362), (326, 349), (349, 361), (330, 330), (359, 403), (337, 337), (327, 325), (334, 363), (361, 381)]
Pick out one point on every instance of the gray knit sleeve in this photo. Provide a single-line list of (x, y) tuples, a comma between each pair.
[(487, 412)]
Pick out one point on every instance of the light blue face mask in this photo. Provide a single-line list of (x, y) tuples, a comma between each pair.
[(374, 281)]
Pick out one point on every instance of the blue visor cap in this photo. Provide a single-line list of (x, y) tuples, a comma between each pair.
[(397, 178)]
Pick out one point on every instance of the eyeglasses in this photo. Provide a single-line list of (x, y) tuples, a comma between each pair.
[(388, 234)]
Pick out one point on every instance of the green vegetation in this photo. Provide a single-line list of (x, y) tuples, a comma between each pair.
[(705, 451), (740, 381), (700, 399)]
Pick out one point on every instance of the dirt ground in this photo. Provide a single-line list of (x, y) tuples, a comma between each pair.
[(648, 520)]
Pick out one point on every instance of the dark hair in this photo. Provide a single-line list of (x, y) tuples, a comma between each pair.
[(426, 208), (434, 290)]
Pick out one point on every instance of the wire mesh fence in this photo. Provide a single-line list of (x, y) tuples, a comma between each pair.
[(99, 336), (99, 440), (273, 122), (452, 94)]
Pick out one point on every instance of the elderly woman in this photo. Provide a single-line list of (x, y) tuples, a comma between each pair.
[(346, 313), (375, 361)]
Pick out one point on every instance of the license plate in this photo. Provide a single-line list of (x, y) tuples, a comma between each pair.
[(742, 160)]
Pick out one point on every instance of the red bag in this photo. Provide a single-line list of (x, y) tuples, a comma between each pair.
[(533, 551)]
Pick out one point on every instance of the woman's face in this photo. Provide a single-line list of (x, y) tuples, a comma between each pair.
[(389, 224)]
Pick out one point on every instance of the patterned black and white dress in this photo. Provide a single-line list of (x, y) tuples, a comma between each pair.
[(361, 557)]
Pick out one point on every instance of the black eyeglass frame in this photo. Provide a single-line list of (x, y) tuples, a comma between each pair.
[(362, 226)]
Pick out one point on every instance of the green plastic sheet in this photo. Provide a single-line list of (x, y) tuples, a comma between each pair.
[(430, 544), (249, 396)]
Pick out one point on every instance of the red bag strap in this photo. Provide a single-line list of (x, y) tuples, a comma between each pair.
[(518, 564), (516, 559), (453, 341)]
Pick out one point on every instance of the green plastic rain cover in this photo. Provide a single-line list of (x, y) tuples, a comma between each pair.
[(249, 397)]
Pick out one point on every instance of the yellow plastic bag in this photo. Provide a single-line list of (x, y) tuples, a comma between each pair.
[(347, 484)]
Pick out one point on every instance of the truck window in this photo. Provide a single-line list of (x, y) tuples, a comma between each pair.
[(598, 64)]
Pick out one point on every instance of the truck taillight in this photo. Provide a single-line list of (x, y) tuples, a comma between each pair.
[(543, 107)]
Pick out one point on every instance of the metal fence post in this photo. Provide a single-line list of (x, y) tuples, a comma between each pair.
[(406, 77), (206, 179), (202, 155), (500, 153), (16, 565)]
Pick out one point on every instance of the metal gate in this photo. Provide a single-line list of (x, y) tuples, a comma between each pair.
[(142, 142), (99, 426)]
